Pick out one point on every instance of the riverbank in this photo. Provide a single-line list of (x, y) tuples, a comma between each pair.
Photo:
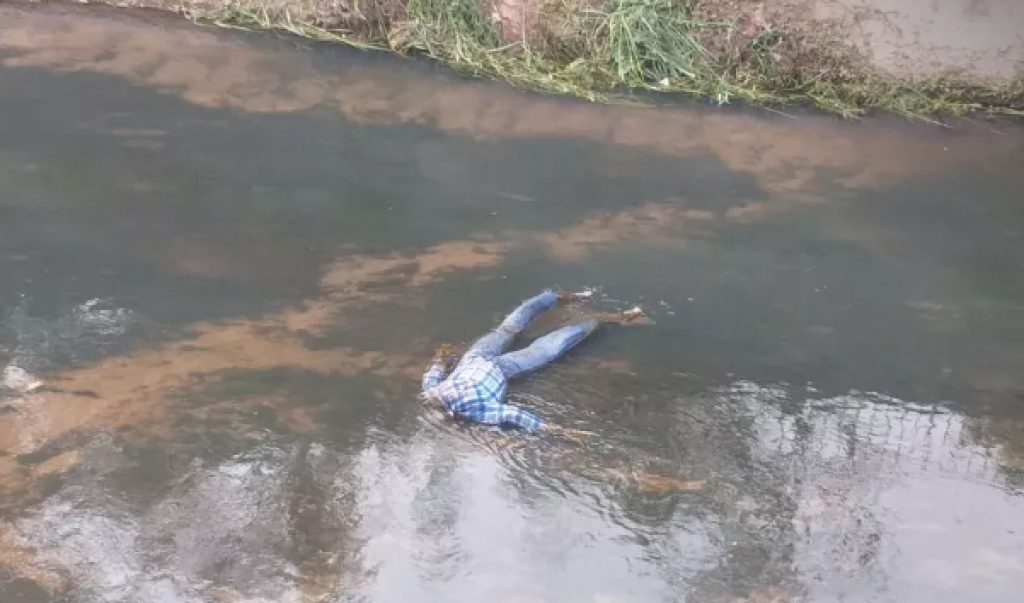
[(819, 52)]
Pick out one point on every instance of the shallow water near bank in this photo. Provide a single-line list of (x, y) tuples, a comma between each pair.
[(228, 257)]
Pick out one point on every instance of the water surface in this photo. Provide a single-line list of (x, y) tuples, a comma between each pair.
[(228, 258)]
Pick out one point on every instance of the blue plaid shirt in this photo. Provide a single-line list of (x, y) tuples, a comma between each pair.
[(475, 391)]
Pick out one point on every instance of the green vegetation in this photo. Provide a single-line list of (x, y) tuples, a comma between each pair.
[(600, 49)]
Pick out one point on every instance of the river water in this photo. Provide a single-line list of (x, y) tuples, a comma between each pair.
[(226, 258)]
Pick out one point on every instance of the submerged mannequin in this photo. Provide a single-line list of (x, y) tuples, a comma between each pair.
[(475, 389)]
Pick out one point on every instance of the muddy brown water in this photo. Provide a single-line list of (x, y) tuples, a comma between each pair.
[(227, 258)]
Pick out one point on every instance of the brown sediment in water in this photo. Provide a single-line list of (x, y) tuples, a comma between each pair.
[(23, 478), (455, 256), (22, 560), (648, 223), (784, 155), (649, 482), (192, 62), (361, 278), (394, 277), (641, 480), (138, 394), (357, 275), (319, 578), (134, 391)]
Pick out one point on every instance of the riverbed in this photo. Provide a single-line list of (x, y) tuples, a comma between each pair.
[(225, 260)]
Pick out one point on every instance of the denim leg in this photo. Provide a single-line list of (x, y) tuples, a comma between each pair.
[(545, 349), (491, 345), (521, 317), (497, 341)]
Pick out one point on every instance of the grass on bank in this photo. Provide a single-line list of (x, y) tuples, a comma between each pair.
[(599, 49)]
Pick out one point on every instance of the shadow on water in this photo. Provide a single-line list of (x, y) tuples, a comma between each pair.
[(225, 259)]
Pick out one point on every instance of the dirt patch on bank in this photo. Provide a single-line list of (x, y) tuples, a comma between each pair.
[(916, 38), (980, 40)]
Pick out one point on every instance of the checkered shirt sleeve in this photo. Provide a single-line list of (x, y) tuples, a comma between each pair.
[(434, 376)]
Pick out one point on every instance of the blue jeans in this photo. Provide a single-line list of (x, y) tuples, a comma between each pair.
[(543, 350)]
